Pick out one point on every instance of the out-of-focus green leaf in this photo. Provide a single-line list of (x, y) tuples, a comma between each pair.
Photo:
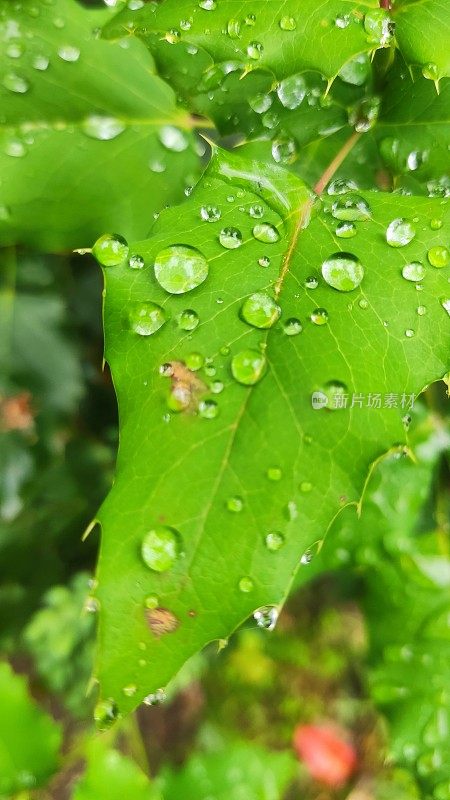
[(112, 776), (243, 462), (90, 138), (422, 32), (29, 738)]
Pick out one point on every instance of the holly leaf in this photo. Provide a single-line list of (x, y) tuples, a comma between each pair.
[(230, 464), (29, 739), (93, 125)]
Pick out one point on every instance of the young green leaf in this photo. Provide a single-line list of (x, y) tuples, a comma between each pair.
[(243, 433), (422, 31), (98, 132), (112, 776)]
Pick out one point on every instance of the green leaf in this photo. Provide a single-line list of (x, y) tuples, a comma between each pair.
[(83, 129), (112, 776), (422, 31), (210, 477), (29, 739), (239, 770)]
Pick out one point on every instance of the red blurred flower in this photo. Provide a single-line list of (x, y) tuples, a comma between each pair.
[(326, 752)]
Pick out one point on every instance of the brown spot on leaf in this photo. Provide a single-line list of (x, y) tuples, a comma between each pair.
[(16, 413), (186, 388), (161, 620)]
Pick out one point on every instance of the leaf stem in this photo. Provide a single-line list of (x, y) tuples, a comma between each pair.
[(336, 162)]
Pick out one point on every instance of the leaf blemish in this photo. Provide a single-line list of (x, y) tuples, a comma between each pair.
[(161, 621)]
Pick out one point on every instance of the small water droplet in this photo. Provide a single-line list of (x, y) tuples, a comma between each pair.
[(274, 541), (319, 316), (173, 139), (155, 698), (430, 71), (379, 26), (110, 250), (69, 53), (15, 50), (342, 21), (260, 310), (409, 333), (305, 486), (246, 585), (255, 50), (146, 318), (235, 504), (231, 238), (188, 320), (292, 91), (287, 24), (260, 103), (208, 409), (445, 303), (264, 261), (105, 714), (341, 186), (266, 617), (103, 128), (180, 269), (351, 207), (129, 691), (207, 5), (161, 547), (400, 232), (284, 149), (40, 62), (274, 474), (15, 83), (194, 361), (217, 387), (311, 282), (151, 601), (346, 230), (363, 303), (311, 552), (421, 310), (343, 271), (439, 256), (210, 213), (292, 326), (256, 211), (248, 367), (436, 224), (415, 271)]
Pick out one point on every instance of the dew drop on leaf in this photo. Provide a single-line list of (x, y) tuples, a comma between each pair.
[(110, 250), (284, 149), (15, 50), (305, 486), (210, 213), (161, 546), (292, 326), (105, 714), (194, 361), (430, 71), (248, 367), (266, 617), (445, 303), (319, 316), (173, 139), (255, 50), (415, 271), (180, 269), (343, 271), (274, 541), (400, 232), (379, 26), (287, 24), (351, 207), (151, 601), (188, 320), (292, 91), (274, 474), (439, 256), (233, 28), (40, 62), (130, 690), (231, 238), (356, 71), (208, 409), (246, 585), (146, 318), (155, 699), (260, 310), (235, 504), (264, 261), (69, 53), (260, 103), (346, 230), (207, 5), (256, 211), (104, 128), (311, 282), (436, 224), (15, 83), (341, 186), (409, 333), (421, 310)]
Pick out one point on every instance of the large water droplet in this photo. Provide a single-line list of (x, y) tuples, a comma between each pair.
[(379, 26), (233, 28), (173, 139), (356, 71), (248, 367), (180, 269), (400, 232), (292, 91), (260, 310), (265, 232), (231, 238), (146, 318), (103, 128), (15, 83), (351, 207), (110, 249), (439, 256), (266, 617), (105, 714), (343, 271), (160, 548), (274, 541), (415, 271), (69, 53)]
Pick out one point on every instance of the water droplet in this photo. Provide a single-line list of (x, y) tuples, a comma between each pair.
[(430, 71), (311, 282), (379, 26), (270, 120), (217, 387), (208, 409), (246, 585), (305, 486), (400, 232), (110, 250), (363, 303), (146, 318), (343, 271), (256, 211), (69, 53), (180, 269), (105, 714), (415, 271), (255, 50), (351, 207), (103, 128), (409, 333), (210, 213), (436, 224), (274, 474), (266, 617), (194, 361), (129, 691), (235, 504), (40, 62), (357, 70), (445, 303), (136, 262), (15, 83), (274, 541), (421, 310), (207, 5), (157, 166), (260, 310), (173, 139), (151, 601), (265, 232), (284, 149), (343, 21), (292, 326), (292, 91), (319, 316), (312, 551), (15, 50), (158, 697), (233, 28), (264, 261), (346, 230), (250, 20), (188, 320), (341, 186), (231, 238), (248, 367), (260, 103), (438, 256), (287, 24), (160, 548)]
